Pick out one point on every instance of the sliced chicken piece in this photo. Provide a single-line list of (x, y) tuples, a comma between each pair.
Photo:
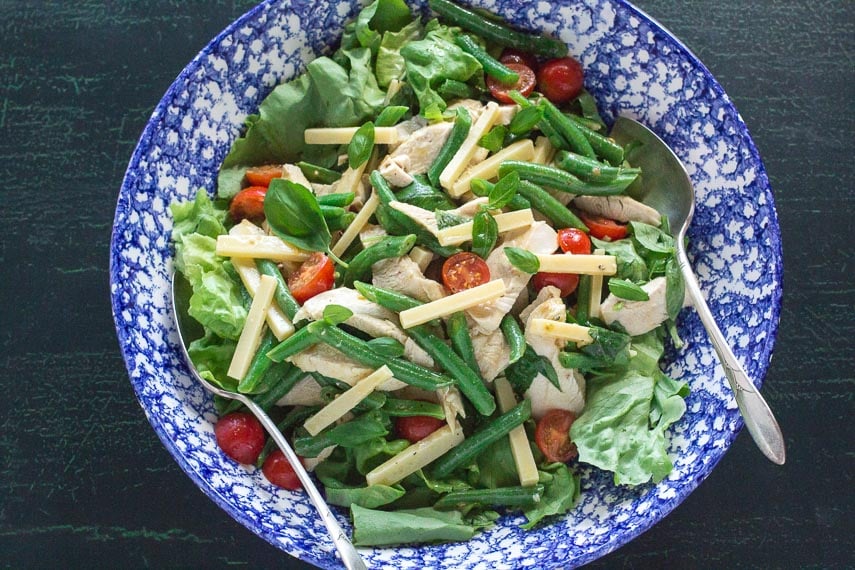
[(620, 208), (401, 274), (407, 128), (415, 154), (638, 317), (427, 219), (324, 359), (294, 174), (306, 392), (548, 292), (538, 238), (452, 405), (492, 353), (474, 107), (543, 394), (370, 233)]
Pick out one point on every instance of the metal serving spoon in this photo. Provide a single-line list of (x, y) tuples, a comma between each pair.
[(667, 188), (349, 556)]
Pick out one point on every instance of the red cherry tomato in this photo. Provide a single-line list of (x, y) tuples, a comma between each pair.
[(248, 204), (262, 175), (604, 228), (416, 428), (567, 282), (511, 55), (524, 85), (560, 79), (552, 436), (572, 240), (278, 471), (240, 436), (464, 270), (315, 275)]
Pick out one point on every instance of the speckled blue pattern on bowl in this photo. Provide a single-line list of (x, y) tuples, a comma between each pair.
[(635, 68)]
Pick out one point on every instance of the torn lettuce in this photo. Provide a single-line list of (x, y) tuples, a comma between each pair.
[(378, 528)]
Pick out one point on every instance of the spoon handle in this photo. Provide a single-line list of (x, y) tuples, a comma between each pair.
[(349, 556), (759, 420)]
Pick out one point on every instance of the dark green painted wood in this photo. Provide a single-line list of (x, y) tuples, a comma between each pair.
[(84, 482)]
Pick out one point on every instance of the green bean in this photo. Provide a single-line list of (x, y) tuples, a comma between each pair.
[(583, 299), (397, 408), (453, 89), (492, 67), (245, 297), (563, 180), (388, 247), (462, 124), (387, 298), (497, 33), (544, 125), (481, 188), (318, 174), (277, 391), (604, 146), (461, 341), (341, 223), (283, 296), (515, 337), (259, 365), (549, 206), (518, 203), (568, 129), (359, 350), (498, 497), (340, 199), (589, 169), (296, 343), (476, 443), (372, 401)]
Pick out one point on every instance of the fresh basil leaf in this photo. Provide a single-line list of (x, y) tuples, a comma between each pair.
[(433, 113), (504, 191), (675, 287), (446, 219), (485, 232), (611, 347), (361, 145), (390, 116), (522, 373), (590, 110), (494, 140), (336, 314), (628, 290), (651, 238), (386, 346), (293, 214), (420, 193), (522, 259), (630, 264), (525, 120)]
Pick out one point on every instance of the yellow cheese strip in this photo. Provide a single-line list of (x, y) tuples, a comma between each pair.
[(250, 336), (489, 168), (543, 151), (596, 292), (580, 264), (520, 448), (467, 150), (557, 329), (342, 135), (455, 235), (418, 455), (422, 257), (356, 225), (258, 247), (346, 401), (279, 323), (453, 303)]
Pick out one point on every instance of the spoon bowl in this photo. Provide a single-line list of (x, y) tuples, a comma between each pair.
[(665, 185)]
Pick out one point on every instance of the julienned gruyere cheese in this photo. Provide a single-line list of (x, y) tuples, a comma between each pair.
[(346, 401), (596, 292), (543, 151), (250, 336), (489, 168), (520, 448), (453, 303), (413, 458), (461, 233), (258, 247), (578, 263), (463, 156), (557, 329), (422, 257), (342, 135), (356, 225)]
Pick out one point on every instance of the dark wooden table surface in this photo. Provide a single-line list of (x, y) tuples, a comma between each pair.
[(84, 481)]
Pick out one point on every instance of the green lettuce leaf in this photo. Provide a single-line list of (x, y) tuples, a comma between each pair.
[(373, 22), (630, 265), (561, 490), (390, 63), (377, 528), (212, 355), (370, 497)]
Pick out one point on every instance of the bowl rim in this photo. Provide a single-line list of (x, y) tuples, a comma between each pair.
[(764, 356)]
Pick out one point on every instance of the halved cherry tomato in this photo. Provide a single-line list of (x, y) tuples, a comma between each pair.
[(240, 436), (315, 275), (560, 79), (512, 55), (262, 175), (278, 471), (572, 240), (464, 270), (604, 228), (248, 204), (416, 428), (552, 436), (525, 84), (567, 282)]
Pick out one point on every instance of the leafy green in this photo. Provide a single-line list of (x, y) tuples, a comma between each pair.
[(494, 139), (522, 259), (504, 191), (369, 497), (561, 491), (211, 356), (525, 120), (336, 314), (293, 213), (390, 63), (446, 219), (675, 288), (485, 232), (390, 115), (361, 145), (372, 453), (496, 466), (522, 373), (373, 21), (420, 193), (378, 528), (630, 265), (628, 290), (357, 431), (387, 346)]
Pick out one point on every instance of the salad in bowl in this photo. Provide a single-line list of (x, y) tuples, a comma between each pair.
[(422, 255)]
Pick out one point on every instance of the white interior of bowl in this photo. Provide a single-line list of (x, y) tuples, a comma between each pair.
[(634, 68)]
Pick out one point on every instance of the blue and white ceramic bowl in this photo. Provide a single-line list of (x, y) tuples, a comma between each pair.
[(635, 68)]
